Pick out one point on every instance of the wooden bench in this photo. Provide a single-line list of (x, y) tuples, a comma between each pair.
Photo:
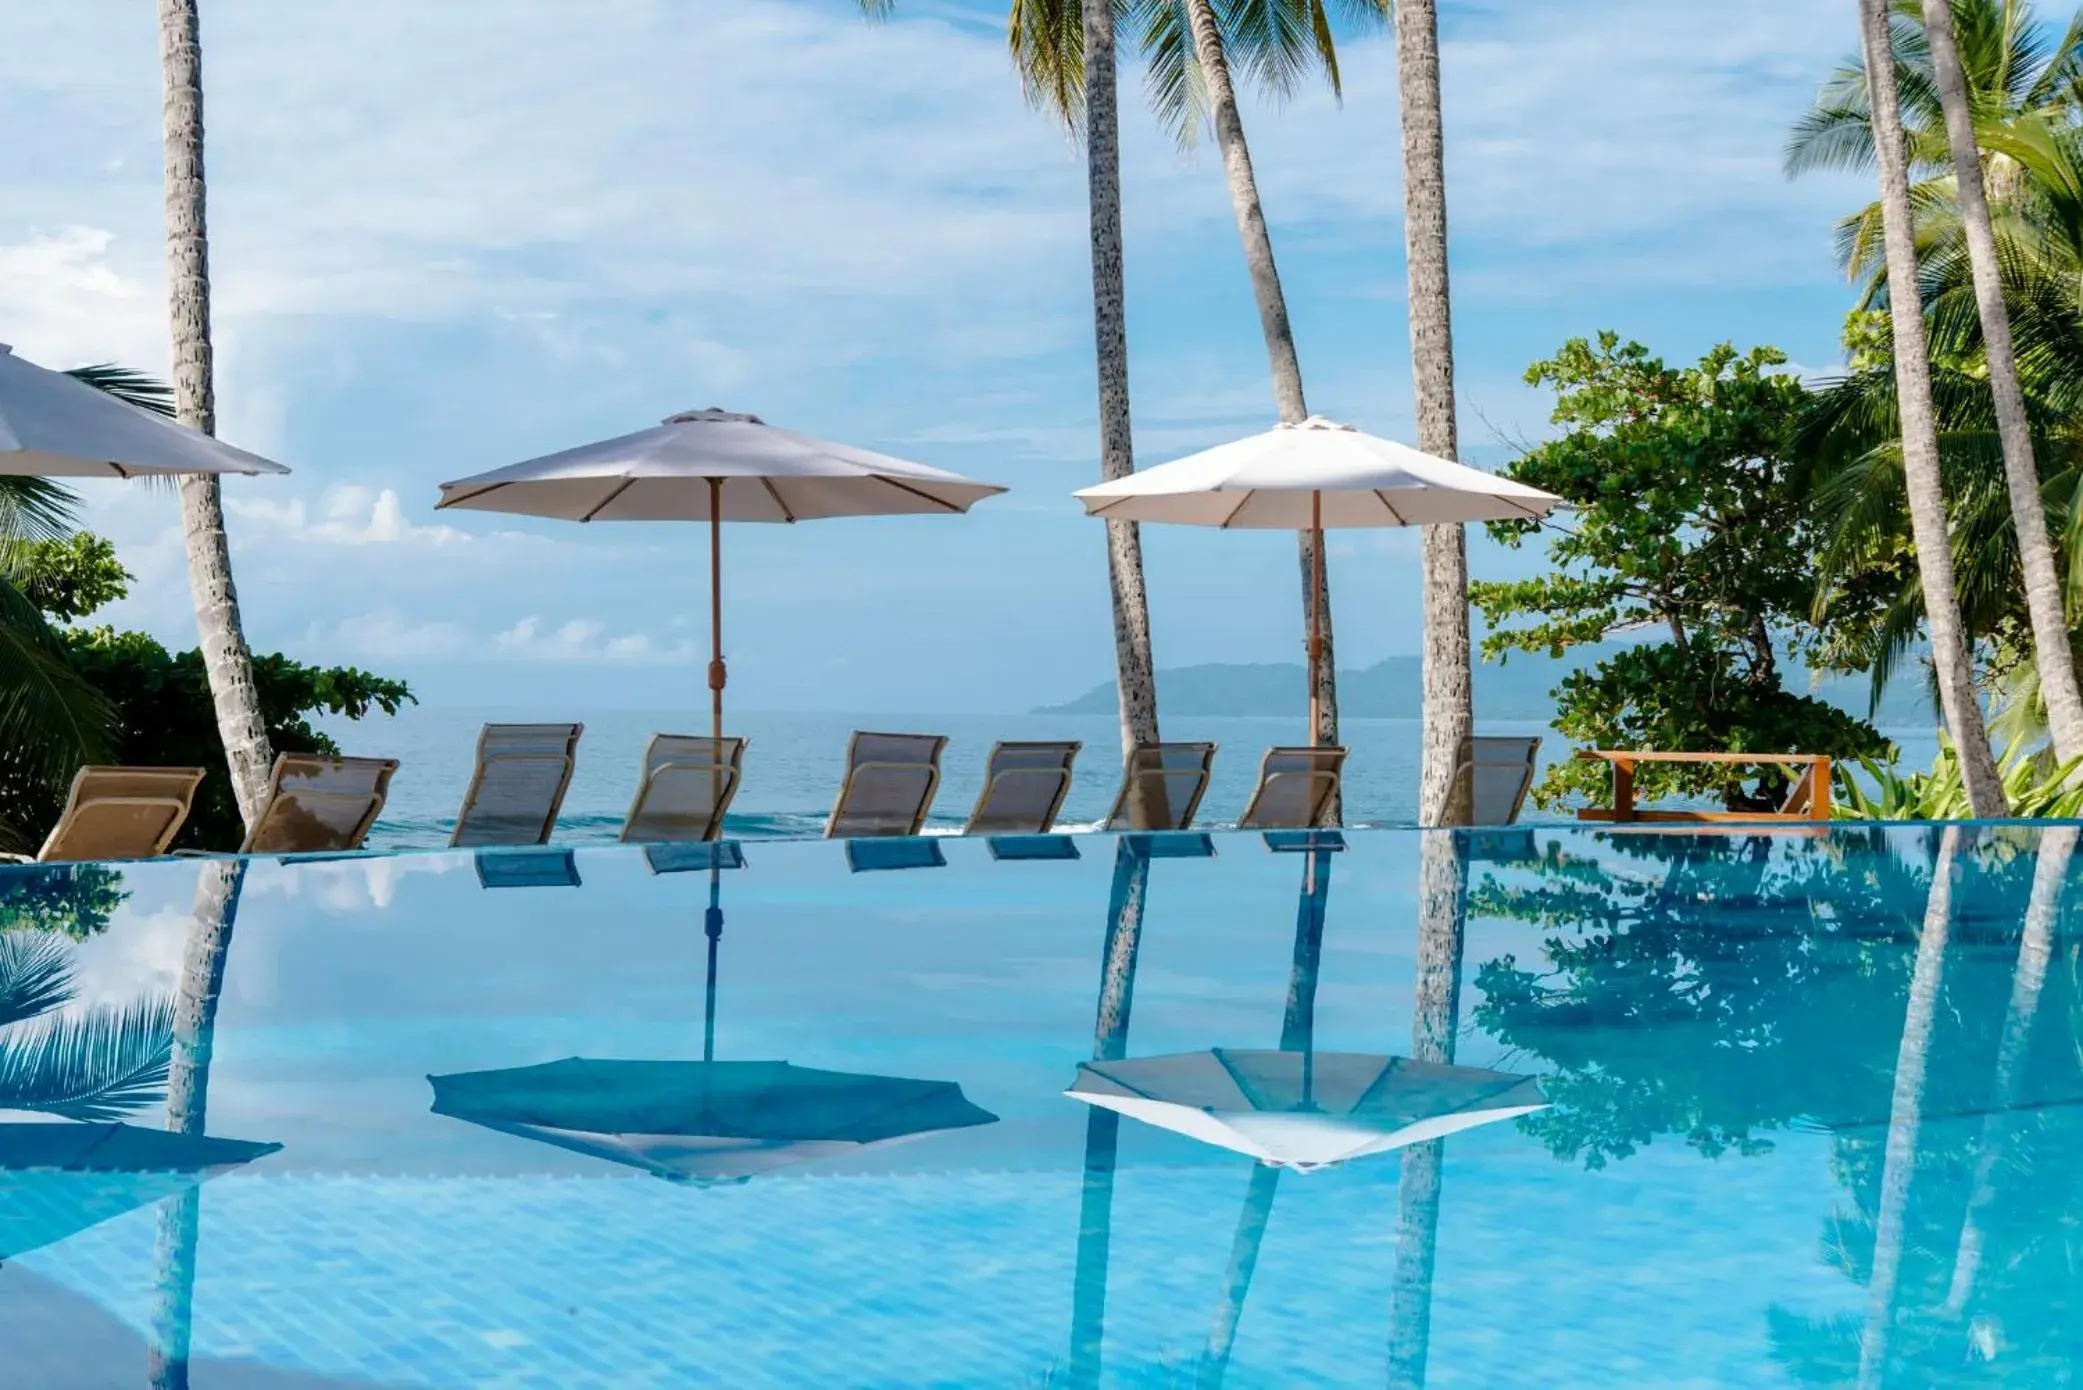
[(1808, 800)]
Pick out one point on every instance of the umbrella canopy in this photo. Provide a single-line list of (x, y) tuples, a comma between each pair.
[(703, 1121), (756, 473), (1305, 1110), (715, 466), (1313, 476), (1317, 475), (53, 426), (60, 1177)]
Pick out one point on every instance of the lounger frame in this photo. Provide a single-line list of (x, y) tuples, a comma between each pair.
[(490, 757), (1520, 752), (1023, 761), (1321, 768), (138, 791), (277, 801), (669, 757), (1148, 760), (856, 768)]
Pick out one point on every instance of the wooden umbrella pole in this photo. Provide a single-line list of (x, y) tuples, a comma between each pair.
[(1316, 614), (716, 671)]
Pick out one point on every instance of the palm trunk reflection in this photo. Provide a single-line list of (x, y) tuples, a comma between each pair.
[(1102, 1126), (187, 1100), (1905, 1112), (1442, 928)]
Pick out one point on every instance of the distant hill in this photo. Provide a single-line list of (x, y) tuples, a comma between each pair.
[(1393, 689)]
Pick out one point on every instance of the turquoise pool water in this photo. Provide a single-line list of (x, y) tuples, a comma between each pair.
[(1809, 1114)]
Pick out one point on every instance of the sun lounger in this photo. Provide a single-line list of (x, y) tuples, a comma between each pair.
[(119, 813), (688, 783), (518, 788), (316, 804), (889, 786), (1161, 786), (1296, 787), (1024, 787), (1499, 770)]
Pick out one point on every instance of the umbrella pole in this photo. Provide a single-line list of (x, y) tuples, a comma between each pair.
[(716, 672), (1316, 614), (712, 924)]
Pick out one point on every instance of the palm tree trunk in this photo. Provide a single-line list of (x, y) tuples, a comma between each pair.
[(1905, 1114), (1135, 669), (1442, 923), (1449, 693), (1279, 334), (226, 658), (1927, 502), (187, 1104), (2052, 653), (2035, 949)]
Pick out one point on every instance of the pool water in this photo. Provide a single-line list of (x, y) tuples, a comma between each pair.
[(1717, 1110)]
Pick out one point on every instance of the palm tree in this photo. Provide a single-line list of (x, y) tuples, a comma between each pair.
[(1449, 690), (1927, 506), (2043, 591), (1213, 66), (2015, 78), (226, 657), (1051, 41)]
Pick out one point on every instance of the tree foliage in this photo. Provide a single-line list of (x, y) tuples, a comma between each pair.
[(161, 710), (1685, 522)]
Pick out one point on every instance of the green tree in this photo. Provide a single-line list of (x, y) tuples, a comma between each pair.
[(1686, 521), (161, 709)]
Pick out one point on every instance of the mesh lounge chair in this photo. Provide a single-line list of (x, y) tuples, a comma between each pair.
[(119, 813), (889, 787), (1024, 787), (1295, 787), (689, 780), (518, 788), (319, 805), (1500, 770), (1161, 786)]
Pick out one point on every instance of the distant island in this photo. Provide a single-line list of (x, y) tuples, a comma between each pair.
[(1393, 689)]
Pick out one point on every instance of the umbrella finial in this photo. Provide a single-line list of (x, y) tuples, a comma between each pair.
[(713, 415)]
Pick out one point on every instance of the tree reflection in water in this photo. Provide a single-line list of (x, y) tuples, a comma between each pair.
[(1915, 994)]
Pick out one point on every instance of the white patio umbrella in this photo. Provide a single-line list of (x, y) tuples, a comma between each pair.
[(715, 466), (1305, 1110), (1313, 476), (55, 426)]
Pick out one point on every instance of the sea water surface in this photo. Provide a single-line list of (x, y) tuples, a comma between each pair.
[(793, 764)]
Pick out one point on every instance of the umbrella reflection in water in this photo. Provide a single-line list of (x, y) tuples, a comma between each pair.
[(63, 1177), (708, 1121)]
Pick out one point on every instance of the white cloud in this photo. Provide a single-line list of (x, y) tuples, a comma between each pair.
[(386, 636), (348, 514), (587, 639)]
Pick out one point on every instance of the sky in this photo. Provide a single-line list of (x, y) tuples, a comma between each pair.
[(450, 237)]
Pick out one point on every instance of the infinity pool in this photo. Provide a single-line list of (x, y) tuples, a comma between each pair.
[(1717, 1110)]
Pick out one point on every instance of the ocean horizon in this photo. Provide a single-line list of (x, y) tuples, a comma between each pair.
[(794, 759)]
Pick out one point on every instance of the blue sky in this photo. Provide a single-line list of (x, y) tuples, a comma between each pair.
[(451, 237)]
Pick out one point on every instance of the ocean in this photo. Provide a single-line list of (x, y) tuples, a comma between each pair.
[(793, 763)]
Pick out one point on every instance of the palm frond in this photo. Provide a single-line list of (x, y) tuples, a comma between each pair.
[(141, 389), (51, 718), (94, 1066), (35, 975), (1047, 41)]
